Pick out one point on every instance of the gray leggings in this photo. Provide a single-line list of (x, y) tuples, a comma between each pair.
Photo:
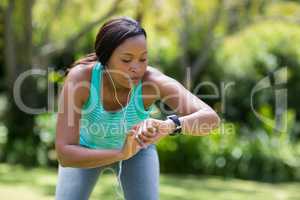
[(139, 178)]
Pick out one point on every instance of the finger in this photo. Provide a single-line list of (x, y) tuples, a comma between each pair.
[(138, 146), (139, 129), (139, 141), (155, 124), (151, 132), (145, 139), (150, 129), (135, 127), (131, 132), (146, 127), (141, 145)]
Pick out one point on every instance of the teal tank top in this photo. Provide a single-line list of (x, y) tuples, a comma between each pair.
[(101, 129)]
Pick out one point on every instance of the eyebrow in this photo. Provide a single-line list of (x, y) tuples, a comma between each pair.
[(130, 54)]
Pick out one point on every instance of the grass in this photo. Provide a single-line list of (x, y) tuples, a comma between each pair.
[(39, 184)]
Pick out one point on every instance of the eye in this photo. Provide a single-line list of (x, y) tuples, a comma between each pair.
[(143, 60), (126, 61)]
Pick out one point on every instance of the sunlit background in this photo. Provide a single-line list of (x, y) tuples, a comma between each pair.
[(242, 57)]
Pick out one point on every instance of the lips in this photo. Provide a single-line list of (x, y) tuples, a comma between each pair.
[(135, 79)]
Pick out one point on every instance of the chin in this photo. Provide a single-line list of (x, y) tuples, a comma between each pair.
[(130, 84)]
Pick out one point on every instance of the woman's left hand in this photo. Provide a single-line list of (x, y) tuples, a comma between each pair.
[(152, 130)]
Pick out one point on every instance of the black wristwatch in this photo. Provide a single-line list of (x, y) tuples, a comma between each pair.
[(177, 123)]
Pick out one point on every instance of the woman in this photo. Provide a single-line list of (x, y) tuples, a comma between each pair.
[(103, 119)]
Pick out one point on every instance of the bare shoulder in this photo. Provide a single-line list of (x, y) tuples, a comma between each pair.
[(172, 92), (155, 76), (150, 79), (160, 83), (80, 73), (153, 81), (79, 78)]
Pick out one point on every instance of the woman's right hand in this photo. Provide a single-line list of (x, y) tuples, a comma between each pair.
[(131, 146)]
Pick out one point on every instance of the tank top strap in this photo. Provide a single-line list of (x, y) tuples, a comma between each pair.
[(95, 80), (138, 99)]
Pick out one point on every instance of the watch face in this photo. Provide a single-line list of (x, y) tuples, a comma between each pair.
[(177, 123)]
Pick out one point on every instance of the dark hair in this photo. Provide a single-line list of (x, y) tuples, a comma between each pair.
[(109, 37)]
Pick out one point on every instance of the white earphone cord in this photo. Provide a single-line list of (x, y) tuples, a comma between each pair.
[(124, 123)]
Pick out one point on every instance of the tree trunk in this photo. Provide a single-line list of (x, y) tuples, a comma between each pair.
[(22, 142)]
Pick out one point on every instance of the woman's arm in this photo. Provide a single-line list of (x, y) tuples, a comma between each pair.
[(197, 118), (70, 154), (199, 123)]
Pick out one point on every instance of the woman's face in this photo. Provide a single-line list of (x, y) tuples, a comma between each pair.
[(128, 62)]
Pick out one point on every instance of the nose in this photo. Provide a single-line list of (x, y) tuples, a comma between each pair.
[(134, 67)]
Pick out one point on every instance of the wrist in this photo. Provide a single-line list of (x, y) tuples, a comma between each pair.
[(177, 123), (170, 126), (120, 155)]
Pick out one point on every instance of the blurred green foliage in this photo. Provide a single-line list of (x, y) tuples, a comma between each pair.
[(260, 48)]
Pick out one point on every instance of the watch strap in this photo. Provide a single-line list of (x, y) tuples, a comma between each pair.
[(177, 123)]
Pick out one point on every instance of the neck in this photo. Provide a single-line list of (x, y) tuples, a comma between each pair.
[(111, 83)]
